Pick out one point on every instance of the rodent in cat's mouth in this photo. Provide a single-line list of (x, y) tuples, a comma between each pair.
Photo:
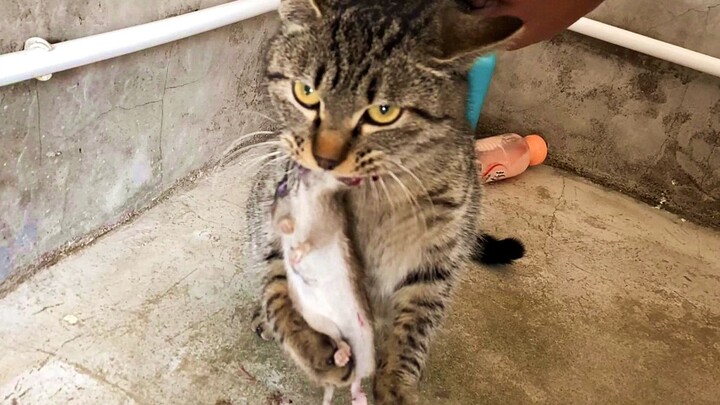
[(349, 181)]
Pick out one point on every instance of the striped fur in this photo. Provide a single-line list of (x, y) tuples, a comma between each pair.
[(415, 229)]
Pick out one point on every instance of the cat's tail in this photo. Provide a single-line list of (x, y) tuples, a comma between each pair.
[(492, 251)]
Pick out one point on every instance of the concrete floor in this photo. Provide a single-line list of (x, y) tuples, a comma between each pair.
[(617, 302)]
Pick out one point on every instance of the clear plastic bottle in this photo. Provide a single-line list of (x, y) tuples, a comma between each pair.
[(504, 156)]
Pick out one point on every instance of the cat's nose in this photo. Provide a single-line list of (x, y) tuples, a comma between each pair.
[(330, 147), (327, 164)]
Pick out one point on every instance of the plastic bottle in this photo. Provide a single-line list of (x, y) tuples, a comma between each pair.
[(504, 156)]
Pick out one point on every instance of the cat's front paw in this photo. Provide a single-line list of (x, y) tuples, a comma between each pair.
[(389, 391), (259, 325)]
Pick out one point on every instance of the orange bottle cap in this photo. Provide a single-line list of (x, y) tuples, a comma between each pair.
[(538, 149)]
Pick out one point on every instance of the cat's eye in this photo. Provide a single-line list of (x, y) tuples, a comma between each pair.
[(306, 95), (384, 114)]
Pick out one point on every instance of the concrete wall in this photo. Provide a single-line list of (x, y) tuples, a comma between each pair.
[(645, 127), (80, 152)]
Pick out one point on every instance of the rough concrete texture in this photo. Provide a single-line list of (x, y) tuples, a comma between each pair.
[(616, 303), (93, 144), (637, 124), (692, 24)]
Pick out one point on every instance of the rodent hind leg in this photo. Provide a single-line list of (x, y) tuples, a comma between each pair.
[(358, 395), (343, 353)]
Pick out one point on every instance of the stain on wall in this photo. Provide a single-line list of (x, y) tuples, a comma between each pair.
[(93, 144)]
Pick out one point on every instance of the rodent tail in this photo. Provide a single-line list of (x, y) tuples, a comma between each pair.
[(492, 251)]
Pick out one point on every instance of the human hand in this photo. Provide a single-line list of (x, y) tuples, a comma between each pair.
[(543, 19)]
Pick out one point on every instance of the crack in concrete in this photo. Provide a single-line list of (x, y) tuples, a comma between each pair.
[(65, 197), (219, 224), (561, 200), (706, 11), (43, 309), (119, 107), (70, 341), (550, 233), (194, 324), (162, 117), (180, 85), (135, 106), (99, 377), (158, 298), (70, 167), (37, 100)]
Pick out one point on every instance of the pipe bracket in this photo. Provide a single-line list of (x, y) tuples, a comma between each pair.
[(40, 44)]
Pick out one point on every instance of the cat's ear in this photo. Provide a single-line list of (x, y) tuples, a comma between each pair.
[(466, 35), (301, 12)]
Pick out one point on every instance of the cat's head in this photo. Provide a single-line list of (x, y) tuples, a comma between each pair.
[(364, 85)]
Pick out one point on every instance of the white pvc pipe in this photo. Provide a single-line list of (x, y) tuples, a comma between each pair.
[(28, 64), (649, 46), (23, 65)]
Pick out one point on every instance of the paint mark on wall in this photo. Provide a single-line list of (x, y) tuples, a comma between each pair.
[(22, 244)]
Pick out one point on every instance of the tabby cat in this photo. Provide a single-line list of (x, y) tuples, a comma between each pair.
[(373, 91)]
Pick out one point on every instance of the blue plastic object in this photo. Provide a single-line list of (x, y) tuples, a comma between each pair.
[(479, 80)]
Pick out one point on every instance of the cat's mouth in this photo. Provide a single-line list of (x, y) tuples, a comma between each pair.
[(350, 181), (356, 181)]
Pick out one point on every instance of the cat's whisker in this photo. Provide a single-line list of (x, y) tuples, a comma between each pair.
[(249, 151), (251, 164), (272, 161), (236, 143), (225, 160), (368, 185), (260, 176), (245, 149), (259, 172), (417, 210), (377, 195), (387, 193), (287, 141), (251, 156), (417, 180)]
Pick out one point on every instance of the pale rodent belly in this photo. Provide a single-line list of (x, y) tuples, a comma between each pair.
[(323, 287)]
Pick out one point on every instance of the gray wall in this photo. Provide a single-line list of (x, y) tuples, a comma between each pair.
[(93, 144), (645, 127)]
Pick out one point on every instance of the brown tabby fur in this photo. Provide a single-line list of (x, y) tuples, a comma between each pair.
[(415, 228)]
